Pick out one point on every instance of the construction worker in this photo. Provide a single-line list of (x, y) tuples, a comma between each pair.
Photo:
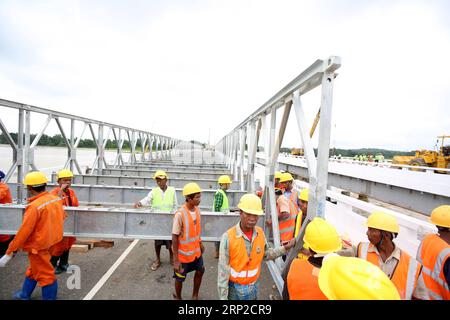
[(321, 238), (287, 182), (162, 199), (42, 227), (303, 199), (277, 184), (242, 249), (187, 243), (220, 203), (286, 219), (403, 270), (434, 255), (277, 179), (5, 197), (343, 278), (60, 251)]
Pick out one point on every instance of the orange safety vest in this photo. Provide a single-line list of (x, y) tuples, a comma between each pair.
[(5, 197), (432, 254), (287, 225), (294, 199), (189, 242), (42, 224), (406, 272), (69, 201), (303, 282), (245, 269)]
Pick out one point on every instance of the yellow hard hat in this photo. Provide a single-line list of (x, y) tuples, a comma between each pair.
[(441, 216), (278, 174), (286, 176), (322, 237), (383, 221), (161, 174), (35, 179), (224, 179), (191, 188), (304, 195), (65, 173), (347, 278), (251, 203)]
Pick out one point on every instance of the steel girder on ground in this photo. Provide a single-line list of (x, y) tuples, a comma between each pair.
[(141, 181), (387, 190), (121, 223), (115, 195)]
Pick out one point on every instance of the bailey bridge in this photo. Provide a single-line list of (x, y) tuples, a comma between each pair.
[(111, 186)]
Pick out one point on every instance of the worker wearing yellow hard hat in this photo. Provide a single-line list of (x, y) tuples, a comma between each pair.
[(303, 198), (345, 278), (277, 179), (162, 198), (220, 202), (321, 238), (187, 243), (42, 227), (60, 251), (402, 269), (5, 197), (242, 249), (289, 191), (434, 255)]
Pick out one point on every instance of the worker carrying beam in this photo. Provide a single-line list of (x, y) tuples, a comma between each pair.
[(242, 249), (60, 251), (321, 238), (404, 271), (434, 255), (344, 278), (5, 197), (42, 227), (220, 202), (161, 199), (187, 243)]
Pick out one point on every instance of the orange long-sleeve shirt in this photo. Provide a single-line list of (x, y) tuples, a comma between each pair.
[(5, 194), (42, 224), (70, 200)]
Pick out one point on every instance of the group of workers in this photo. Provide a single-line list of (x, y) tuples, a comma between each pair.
[(323, 269), (41, 233)]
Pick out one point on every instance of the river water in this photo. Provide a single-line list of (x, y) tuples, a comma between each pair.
[(50, 159)]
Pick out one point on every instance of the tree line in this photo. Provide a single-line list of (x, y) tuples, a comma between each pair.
[(58, 141)]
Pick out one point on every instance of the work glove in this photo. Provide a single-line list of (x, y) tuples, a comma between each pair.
[(4, 260)]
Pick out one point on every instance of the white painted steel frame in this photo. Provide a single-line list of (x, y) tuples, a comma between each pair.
[(320, 73), (23, 154)]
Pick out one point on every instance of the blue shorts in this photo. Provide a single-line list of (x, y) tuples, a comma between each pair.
[(196, 265)]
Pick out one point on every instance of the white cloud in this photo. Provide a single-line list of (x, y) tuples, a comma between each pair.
[(179, 70)]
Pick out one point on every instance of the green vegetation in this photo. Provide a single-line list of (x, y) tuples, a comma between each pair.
[(58, 141)]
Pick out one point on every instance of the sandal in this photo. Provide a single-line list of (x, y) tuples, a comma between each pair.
[(155, 265)]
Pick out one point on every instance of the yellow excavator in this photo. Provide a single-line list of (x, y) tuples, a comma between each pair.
[(428, 158)]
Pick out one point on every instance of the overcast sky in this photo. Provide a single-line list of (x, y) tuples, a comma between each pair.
[(184, 68)]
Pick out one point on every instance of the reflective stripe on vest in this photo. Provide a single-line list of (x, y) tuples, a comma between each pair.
[(225, 206), (244, 274), (163, 203), (434, 280), (405, 288), (245, 268), (187, 227)]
